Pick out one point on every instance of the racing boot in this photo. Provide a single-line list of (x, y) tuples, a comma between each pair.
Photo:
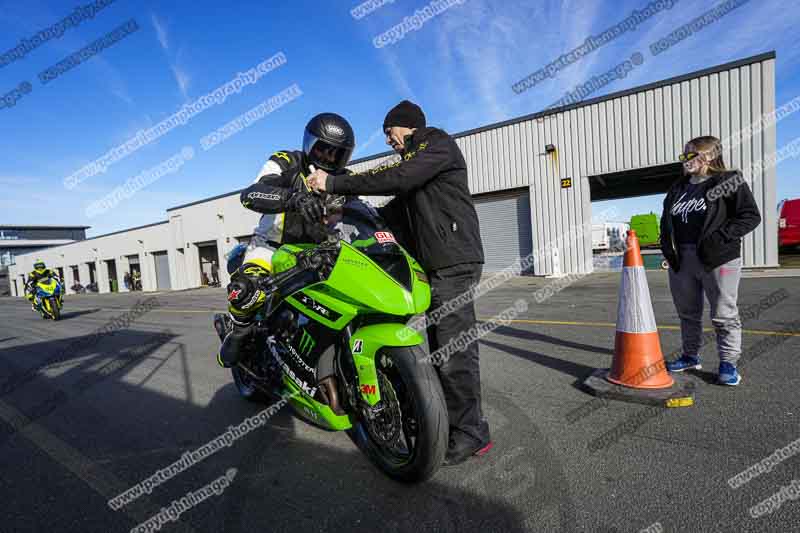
[(30, 298), (234, 346), (245, 298)]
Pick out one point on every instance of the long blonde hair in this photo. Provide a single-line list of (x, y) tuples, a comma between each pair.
[(712, 147)]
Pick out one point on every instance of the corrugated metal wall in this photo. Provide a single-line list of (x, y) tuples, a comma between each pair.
[(632, 131)]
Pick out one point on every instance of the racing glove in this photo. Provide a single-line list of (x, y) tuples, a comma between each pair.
[(309, 205), (318, 260)]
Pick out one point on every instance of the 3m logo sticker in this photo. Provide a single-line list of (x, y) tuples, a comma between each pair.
[(307, 343), (358, 346), (384, 237), (368, 389)]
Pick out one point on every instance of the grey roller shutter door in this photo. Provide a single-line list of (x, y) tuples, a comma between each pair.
[(162, 270), (505, 228)]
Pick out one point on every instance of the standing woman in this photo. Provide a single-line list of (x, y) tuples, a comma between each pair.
[(706, 214)]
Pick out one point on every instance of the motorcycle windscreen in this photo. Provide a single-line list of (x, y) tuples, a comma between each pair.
[(368, 285)]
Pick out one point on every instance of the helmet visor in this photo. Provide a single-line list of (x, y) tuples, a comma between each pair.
[(324, 155), (38, 266)]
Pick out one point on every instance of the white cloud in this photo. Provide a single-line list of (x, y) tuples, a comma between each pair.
[(397, 75), (374, 135), (182, 78), (161, 31)]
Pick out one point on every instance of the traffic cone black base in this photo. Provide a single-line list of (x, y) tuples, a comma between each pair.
[(680, 394)]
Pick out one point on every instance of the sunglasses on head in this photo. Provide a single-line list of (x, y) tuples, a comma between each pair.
[(687, 156)]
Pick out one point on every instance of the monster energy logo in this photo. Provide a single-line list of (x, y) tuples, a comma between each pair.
[(307, 343)]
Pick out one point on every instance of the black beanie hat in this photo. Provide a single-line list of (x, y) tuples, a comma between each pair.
[(405, 114)]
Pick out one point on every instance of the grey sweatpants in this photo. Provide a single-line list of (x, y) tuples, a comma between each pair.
[(721, 287)]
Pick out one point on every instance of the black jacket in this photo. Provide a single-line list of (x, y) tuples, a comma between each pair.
[(432, 212), (732, 213), (271, 194)]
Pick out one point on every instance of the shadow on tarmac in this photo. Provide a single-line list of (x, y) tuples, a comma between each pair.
[(709, 377), (541, 337), (126, 430), (575, 370), (76, 314), (36, 395)]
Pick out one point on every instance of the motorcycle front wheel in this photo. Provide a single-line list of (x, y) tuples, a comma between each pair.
[(55, 309), (407, 436)]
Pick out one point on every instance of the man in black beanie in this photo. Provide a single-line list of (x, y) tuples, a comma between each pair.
[(433, 217)]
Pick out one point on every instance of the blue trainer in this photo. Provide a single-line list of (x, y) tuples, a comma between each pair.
[(686, 362), (728, 375)]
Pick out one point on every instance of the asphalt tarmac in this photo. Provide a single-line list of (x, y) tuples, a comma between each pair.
[(85, 416)]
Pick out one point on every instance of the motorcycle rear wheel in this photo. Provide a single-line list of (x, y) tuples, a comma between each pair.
[(245, 384), (414, 386)]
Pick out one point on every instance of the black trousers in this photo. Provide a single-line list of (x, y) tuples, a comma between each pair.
[(460, 371)]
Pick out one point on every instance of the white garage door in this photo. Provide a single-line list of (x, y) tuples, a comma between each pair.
[(505, 228), (161, 260)]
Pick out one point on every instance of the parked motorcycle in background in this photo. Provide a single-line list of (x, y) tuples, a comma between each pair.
[(78, 288)]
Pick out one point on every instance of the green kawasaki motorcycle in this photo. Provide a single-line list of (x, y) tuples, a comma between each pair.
[(333, 339)]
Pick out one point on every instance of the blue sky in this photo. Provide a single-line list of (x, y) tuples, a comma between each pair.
[(459, 66)]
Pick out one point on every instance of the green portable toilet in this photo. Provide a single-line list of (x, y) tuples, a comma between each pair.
[(647, 228)]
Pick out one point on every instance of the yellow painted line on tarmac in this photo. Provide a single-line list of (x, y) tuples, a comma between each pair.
[(520, 321), (612, 325), (150, 311), (185, 311)]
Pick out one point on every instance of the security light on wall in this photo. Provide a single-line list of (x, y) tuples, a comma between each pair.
[(549, 148)]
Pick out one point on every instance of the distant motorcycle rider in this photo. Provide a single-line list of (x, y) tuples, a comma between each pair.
[(281, 190), (40, 271)]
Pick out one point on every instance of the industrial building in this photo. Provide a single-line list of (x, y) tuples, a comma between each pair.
[(533, 178), (18, 240)]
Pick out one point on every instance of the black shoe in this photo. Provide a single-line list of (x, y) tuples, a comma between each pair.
[(233, 347), (460, 450)]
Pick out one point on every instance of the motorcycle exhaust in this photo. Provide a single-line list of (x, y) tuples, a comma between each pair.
[(326, 390)]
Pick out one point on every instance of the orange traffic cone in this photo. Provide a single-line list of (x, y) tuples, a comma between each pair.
[(638, 361)]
